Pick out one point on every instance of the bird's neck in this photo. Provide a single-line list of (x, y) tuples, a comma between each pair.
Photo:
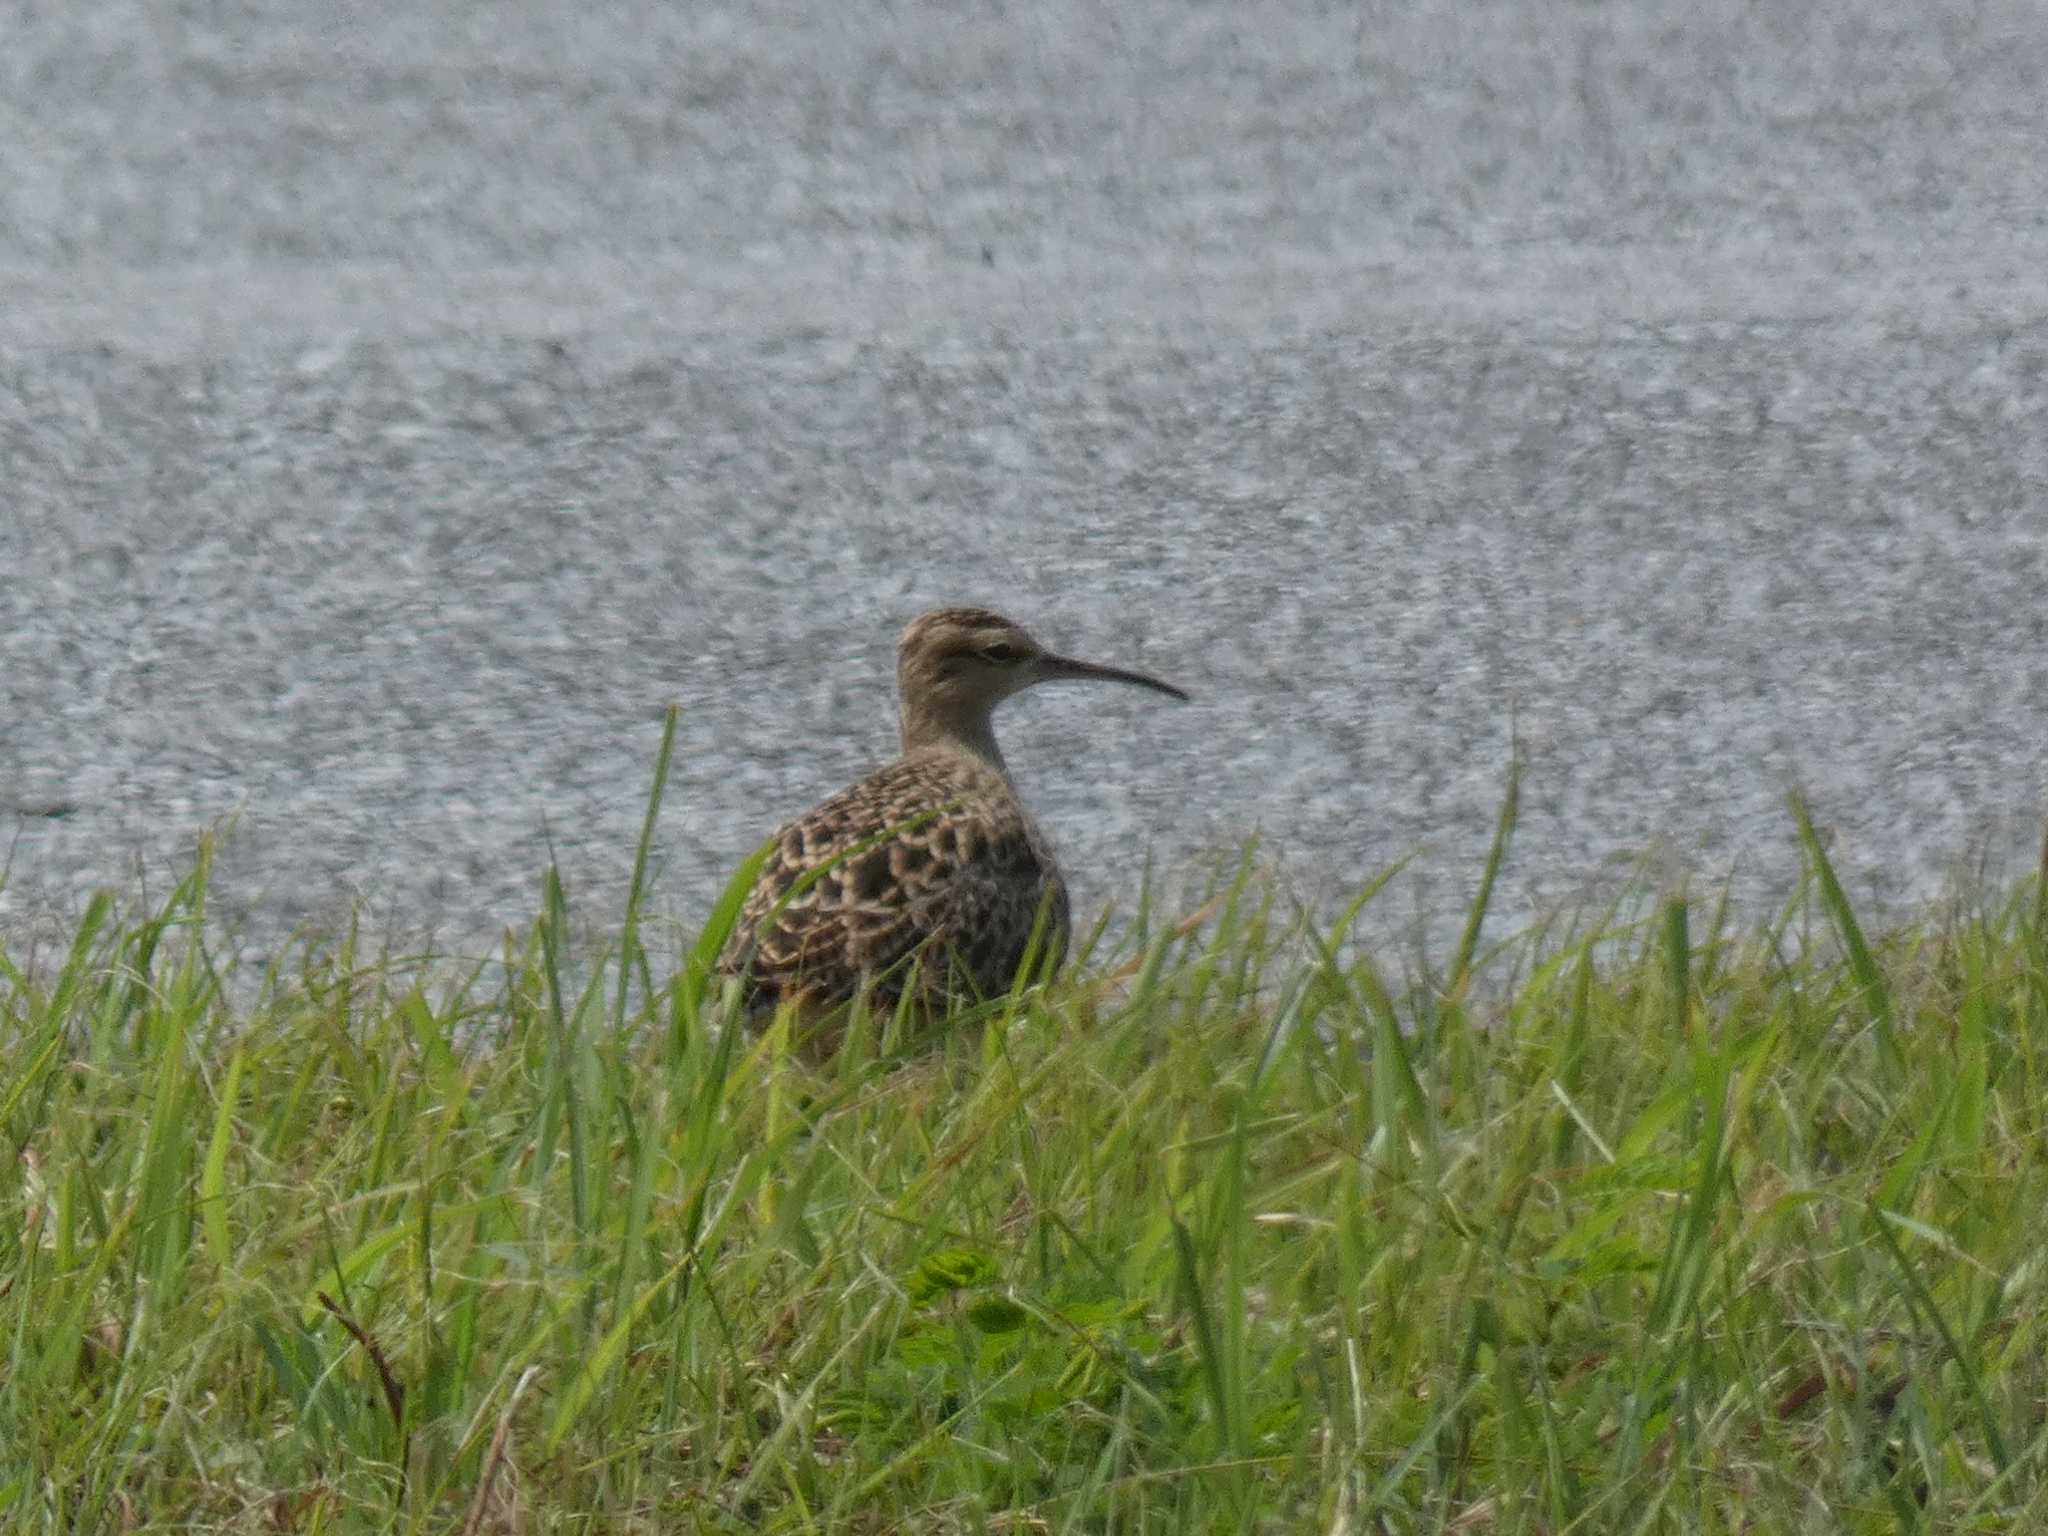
[(959, 730)]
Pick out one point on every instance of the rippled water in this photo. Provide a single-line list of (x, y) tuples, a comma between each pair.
[(396, 419)]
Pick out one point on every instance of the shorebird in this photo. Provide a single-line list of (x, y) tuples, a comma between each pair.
[(928, 876)]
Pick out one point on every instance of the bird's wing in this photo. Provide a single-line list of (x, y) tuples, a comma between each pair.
[(884, 871)]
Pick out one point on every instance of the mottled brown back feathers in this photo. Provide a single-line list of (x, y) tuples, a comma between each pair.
[(930, 862)]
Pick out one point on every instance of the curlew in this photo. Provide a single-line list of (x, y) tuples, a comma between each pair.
[(928, 876)]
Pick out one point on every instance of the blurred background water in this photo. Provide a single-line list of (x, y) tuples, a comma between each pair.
[(400, 406)]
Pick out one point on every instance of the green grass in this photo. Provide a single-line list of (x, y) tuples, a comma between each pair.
[(1657, 1226)]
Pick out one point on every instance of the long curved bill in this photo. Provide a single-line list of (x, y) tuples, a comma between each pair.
[(1055, 668)]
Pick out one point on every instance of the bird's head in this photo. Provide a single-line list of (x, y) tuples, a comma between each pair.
[(955, 665)]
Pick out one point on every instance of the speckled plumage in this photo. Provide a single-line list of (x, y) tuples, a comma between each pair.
[(931, 867), (952, 876)]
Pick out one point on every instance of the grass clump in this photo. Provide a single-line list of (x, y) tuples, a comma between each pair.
[(1666, 1226)]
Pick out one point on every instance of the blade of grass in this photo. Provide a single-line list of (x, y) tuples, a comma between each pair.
[(1496, 856), (1881, 1222), (636, 887), (1208, 1351), (1870, 982), (598, 1363), (213, 1194)]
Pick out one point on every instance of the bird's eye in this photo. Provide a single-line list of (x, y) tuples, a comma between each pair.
[(1001, 652)]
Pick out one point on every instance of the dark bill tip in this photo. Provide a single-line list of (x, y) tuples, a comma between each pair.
[(1088, 671)]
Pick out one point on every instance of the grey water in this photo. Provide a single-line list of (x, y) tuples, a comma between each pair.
[(400, 407)]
